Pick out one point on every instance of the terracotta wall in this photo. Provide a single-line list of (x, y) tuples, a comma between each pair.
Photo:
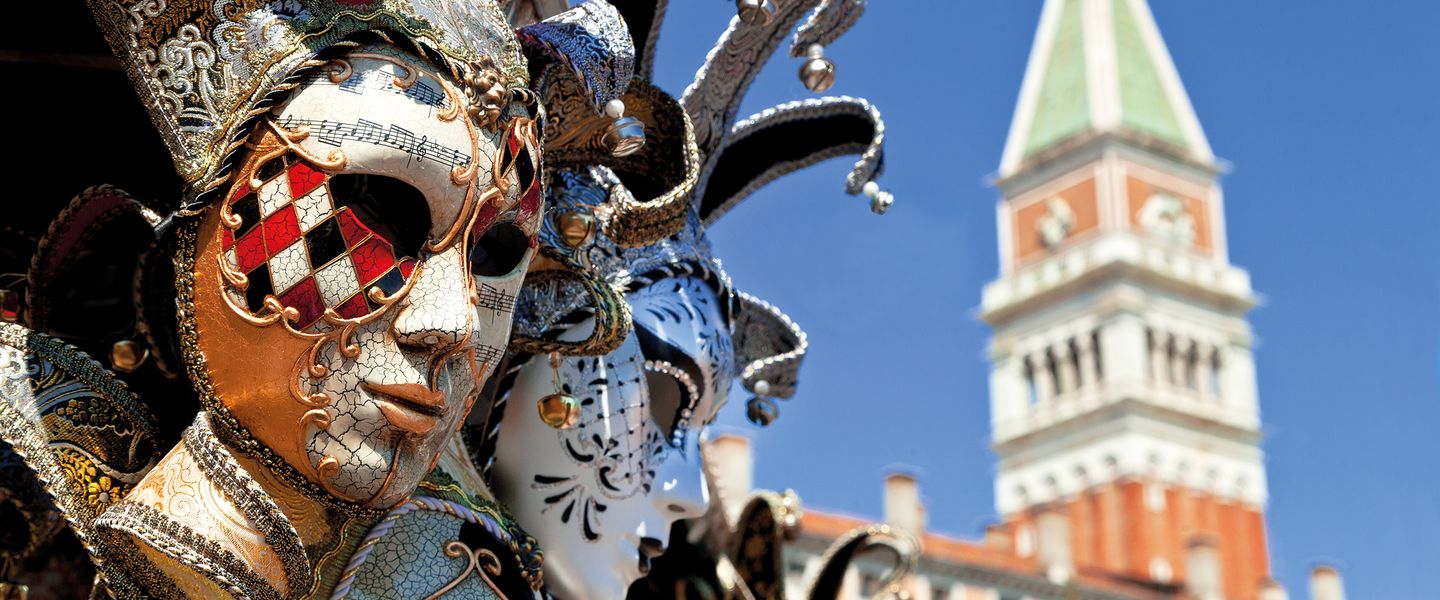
[(1083, 203), (1112, 529)]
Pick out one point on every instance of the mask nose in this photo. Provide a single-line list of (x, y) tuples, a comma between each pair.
[(679, 488), (436, 312)]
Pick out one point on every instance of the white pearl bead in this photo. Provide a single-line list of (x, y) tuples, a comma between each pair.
[(762, 388), (615, 109), (815, 51), (871, 188)]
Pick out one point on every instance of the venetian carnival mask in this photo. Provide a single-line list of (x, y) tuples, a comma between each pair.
[(602, 495), (354, 288)]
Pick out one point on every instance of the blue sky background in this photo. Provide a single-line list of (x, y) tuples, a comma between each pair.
[(1328, 111)]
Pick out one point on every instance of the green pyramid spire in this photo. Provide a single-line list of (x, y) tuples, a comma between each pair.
[(1063, 108), (1100, 66)]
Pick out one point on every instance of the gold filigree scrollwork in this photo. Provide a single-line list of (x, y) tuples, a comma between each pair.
[(403, 81), (482, 562), (339, 70), (332, 162)]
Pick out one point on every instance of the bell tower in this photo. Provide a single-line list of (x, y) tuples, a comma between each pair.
[(1123, 396)]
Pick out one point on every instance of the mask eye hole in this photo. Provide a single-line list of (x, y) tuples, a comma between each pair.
[(391, 208), (665, 400), (499, 250), (672, 377)]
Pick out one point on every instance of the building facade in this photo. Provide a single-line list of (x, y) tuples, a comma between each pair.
[(1122, 391), (1123, 396)]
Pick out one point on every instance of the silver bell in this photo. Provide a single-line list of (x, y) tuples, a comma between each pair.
[(625, 136), (881, 202), (755, 12), (817, 72), (761, 411)]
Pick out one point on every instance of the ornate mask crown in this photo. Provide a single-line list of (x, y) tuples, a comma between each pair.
[(204, 68)]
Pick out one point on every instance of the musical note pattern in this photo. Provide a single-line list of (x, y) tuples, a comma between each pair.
[(421, 91), (420, 148), (494, 298), (489, 355)]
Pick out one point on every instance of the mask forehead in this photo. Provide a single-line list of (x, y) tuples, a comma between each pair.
[(379, 112)]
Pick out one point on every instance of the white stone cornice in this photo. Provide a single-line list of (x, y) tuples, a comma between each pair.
[(1115, 256)]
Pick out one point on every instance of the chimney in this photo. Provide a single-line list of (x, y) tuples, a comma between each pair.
[(1202, 569), (1053, 550), (1272, 590), (1325, 583), (903, 509), (731, 464), (999, 539)]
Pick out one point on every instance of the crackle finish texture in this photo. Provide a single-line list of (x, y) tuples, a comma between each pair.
[(403, 328), (411, 562)]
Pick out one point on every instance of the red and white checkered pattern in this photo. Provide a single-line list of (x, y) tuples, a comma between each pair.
[(293, 243)]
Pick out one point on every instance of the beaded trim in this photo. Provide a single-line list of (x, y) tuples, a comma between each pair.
[(179, 542), (220, 468)]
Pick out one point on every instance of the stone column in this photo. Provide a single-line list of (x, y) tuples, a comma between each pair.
[(1044, 383), (1203, 570), (1009, 392), (1065, 366), (1053, 547), (1159, 360)]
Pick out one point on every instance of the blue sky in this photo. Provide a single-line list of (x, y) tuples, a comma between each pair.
[(1328, 112)]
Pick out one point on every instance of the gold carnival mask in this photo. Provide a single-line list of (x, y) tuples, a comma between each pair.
[(354, 288)]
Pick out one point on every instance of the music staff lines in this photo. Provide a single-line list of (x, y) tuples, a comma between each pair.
[(380, 81), (494, 298), (419, 148), (489, 354)]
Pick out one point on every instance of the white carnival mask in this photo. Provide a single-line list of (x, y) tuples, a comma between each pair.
[(602, 495)]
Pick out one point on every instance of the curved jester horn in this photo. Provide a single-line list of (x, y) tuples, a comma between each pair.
[(826, 24), (714, 97), (770, 348), (660, 177), (786, 138)]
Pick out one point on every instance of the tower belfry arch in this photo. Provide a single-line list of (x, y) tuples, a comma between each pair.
[(1123, 391)]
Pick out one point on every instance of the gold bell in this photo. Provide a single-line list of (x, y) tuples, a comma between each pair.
[(817, 72), (9, 308), (561, 411), (576, 227), (626, 135), (126, 356), (14, 591), (755, 12)]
